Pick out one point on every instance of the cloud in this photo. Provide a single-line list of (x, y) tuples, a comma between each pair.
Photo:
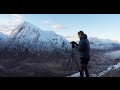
[(47, 21), (72, 38), (8, 24), (15, 19), (58, 27), (12, 20), (16, 16)]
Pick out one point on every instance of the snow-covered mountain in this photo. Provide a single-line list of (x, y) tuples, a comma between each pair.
[(2, 36), (29, 37), (103, 43)]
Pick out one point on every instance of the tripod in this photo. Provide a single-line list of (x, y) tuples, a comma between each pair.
[(72, 57)]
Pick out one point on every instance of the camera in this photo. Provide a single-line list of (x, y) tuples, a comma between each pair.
[(73, 44)]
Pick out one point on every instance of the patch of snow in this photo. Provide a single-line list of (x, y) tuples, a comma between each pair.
[(117, 66), (75, 75), (105, 71), (108, 69), (114, 54)]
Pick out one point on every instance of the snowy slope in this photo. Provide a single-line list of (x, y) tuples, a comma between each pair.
[(99, 74), (111, 68), (113, 55), (35, 40), (75, 75)]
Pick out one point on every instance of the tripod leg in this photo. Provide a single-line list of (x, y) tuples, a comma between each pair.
[(70, 66), (76, 63), (67, 64)]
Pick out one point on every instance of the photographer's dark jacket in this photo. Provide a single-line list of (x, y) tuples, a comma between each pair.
[(84, 47)]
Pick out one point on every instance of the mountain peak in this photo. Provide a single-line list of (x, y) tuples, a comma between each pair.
[(27, 24), (37, 40)]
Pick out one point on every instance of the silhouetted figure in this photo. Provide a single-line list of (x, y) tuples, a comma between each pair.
[(84, 48)]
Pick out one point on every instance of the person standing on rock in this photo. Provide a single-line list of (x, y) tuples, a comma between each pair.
[(84, 49)]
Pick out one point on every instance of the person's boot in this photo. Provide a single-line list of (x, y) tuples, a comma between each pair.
[(87, 73), (81, 73)]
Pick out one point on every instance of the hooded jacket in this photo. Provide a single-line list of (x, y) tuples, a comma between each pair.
[(84, 47)]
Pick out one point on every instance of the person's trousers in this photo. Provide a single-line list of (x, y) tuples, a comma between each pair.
[(83, 67)]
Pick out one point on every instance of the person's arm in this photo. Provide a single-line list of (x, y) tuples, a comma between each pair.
[(75, 45)]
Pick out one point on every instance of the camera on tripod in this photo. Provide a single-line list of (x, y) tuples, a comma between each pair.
[(73, 44), (72, 58)]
